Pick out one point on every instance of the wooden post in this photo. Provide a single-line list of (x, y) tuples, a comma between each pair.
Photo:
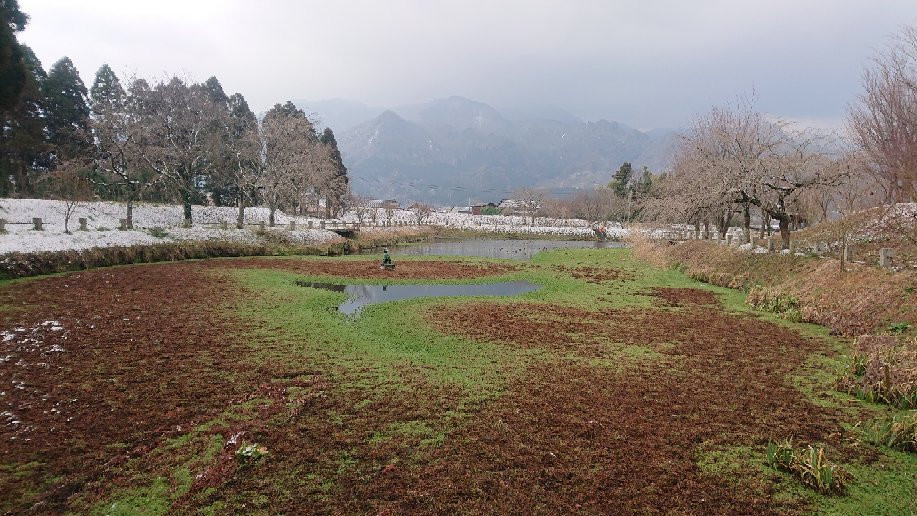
[(261, 227), (224, 225), (310, 224), (321, 224), (83, 222), (770, 245), (37, 224), (848, 253), (292, 225), (728, 240), (2, 226)]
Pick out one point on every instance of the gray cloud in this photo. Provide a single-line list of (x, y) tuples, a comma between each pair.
[(648, 64)]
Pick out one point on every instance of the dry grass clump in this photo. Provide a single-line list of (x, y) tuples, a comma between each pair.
[(883, 369), (772, 300), (648, 250)]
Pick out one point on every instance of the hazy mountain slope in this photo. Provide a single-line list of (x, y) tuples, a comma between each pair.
[(338, 114), (455, 149)]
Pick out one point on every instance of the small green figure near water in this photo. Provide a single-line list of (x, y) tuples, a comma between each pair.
[(387, 262)]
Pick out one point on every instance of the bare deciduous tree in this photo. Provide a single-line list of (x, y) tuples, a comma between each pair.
[(70, 184), (734, 159), (422, 212), (181, 122), (531, 200), (289, 157), (121, 132), (884, 121)]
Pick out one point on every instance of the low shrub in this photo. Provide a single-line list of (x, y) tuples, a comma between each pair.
[(899, 327), (158, 232), (810, 465), (898, 432), (883, 369)]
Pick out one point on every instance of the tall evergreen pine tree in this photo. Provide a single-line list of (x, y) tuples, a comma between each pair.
[(14, 71), (337, 183), (23, 148), (106, 92), (66, 111)]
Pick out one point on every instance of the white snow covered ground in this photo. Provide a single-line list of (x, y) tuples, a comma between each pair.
[(153, 224), (162, 223)]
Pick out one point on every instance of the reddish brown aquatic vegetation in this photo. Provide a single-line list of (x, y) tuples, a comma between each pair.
[(138, 357), (676, 297), (146, 358), (595, 274)]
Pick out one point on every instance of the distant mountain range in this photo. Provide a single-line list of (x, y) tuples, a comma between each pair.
[(455, 150)]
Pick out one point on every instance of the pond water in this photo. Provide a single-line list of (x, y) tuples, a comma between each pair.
[(359, 296), (496, 248)]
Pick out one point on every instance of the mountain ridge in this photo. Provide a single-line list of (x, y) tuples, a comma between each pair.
[(455, 150)]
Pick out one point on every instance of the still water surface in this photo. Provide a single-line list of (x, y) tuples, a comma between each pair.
[(359, 296)]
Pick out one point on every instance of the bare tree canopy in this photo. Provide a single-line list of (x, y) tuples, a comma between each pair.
[(884, 120), (735, 158)]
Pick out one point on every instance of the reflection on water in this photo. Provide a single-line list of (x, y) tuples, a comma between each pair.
[(496, 248), (359, 296)]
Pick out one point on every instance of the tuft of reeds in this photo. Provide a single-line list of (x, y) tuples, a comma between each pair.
[(810, 465), (883, 369)]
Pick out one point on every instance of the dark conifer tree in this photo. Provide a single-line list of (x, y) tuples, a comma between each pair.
[(215, 91), (23, 148), (14, 71), (66, 111), (336, 189), (106, 92)]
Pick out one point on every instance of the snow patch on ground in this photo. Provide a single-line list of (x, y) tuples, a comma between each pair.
[(162, 223), (153, 224)]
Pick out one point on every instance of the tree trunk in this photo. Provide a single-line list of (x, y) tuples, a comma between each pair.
[(746, 222), (843, 252), (240, 220), (707, 229), (270, 216), (186, 202), (784, 231)]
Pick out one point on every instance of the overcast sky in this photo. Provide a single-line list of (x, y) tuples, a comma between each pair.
[(644, 63)]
